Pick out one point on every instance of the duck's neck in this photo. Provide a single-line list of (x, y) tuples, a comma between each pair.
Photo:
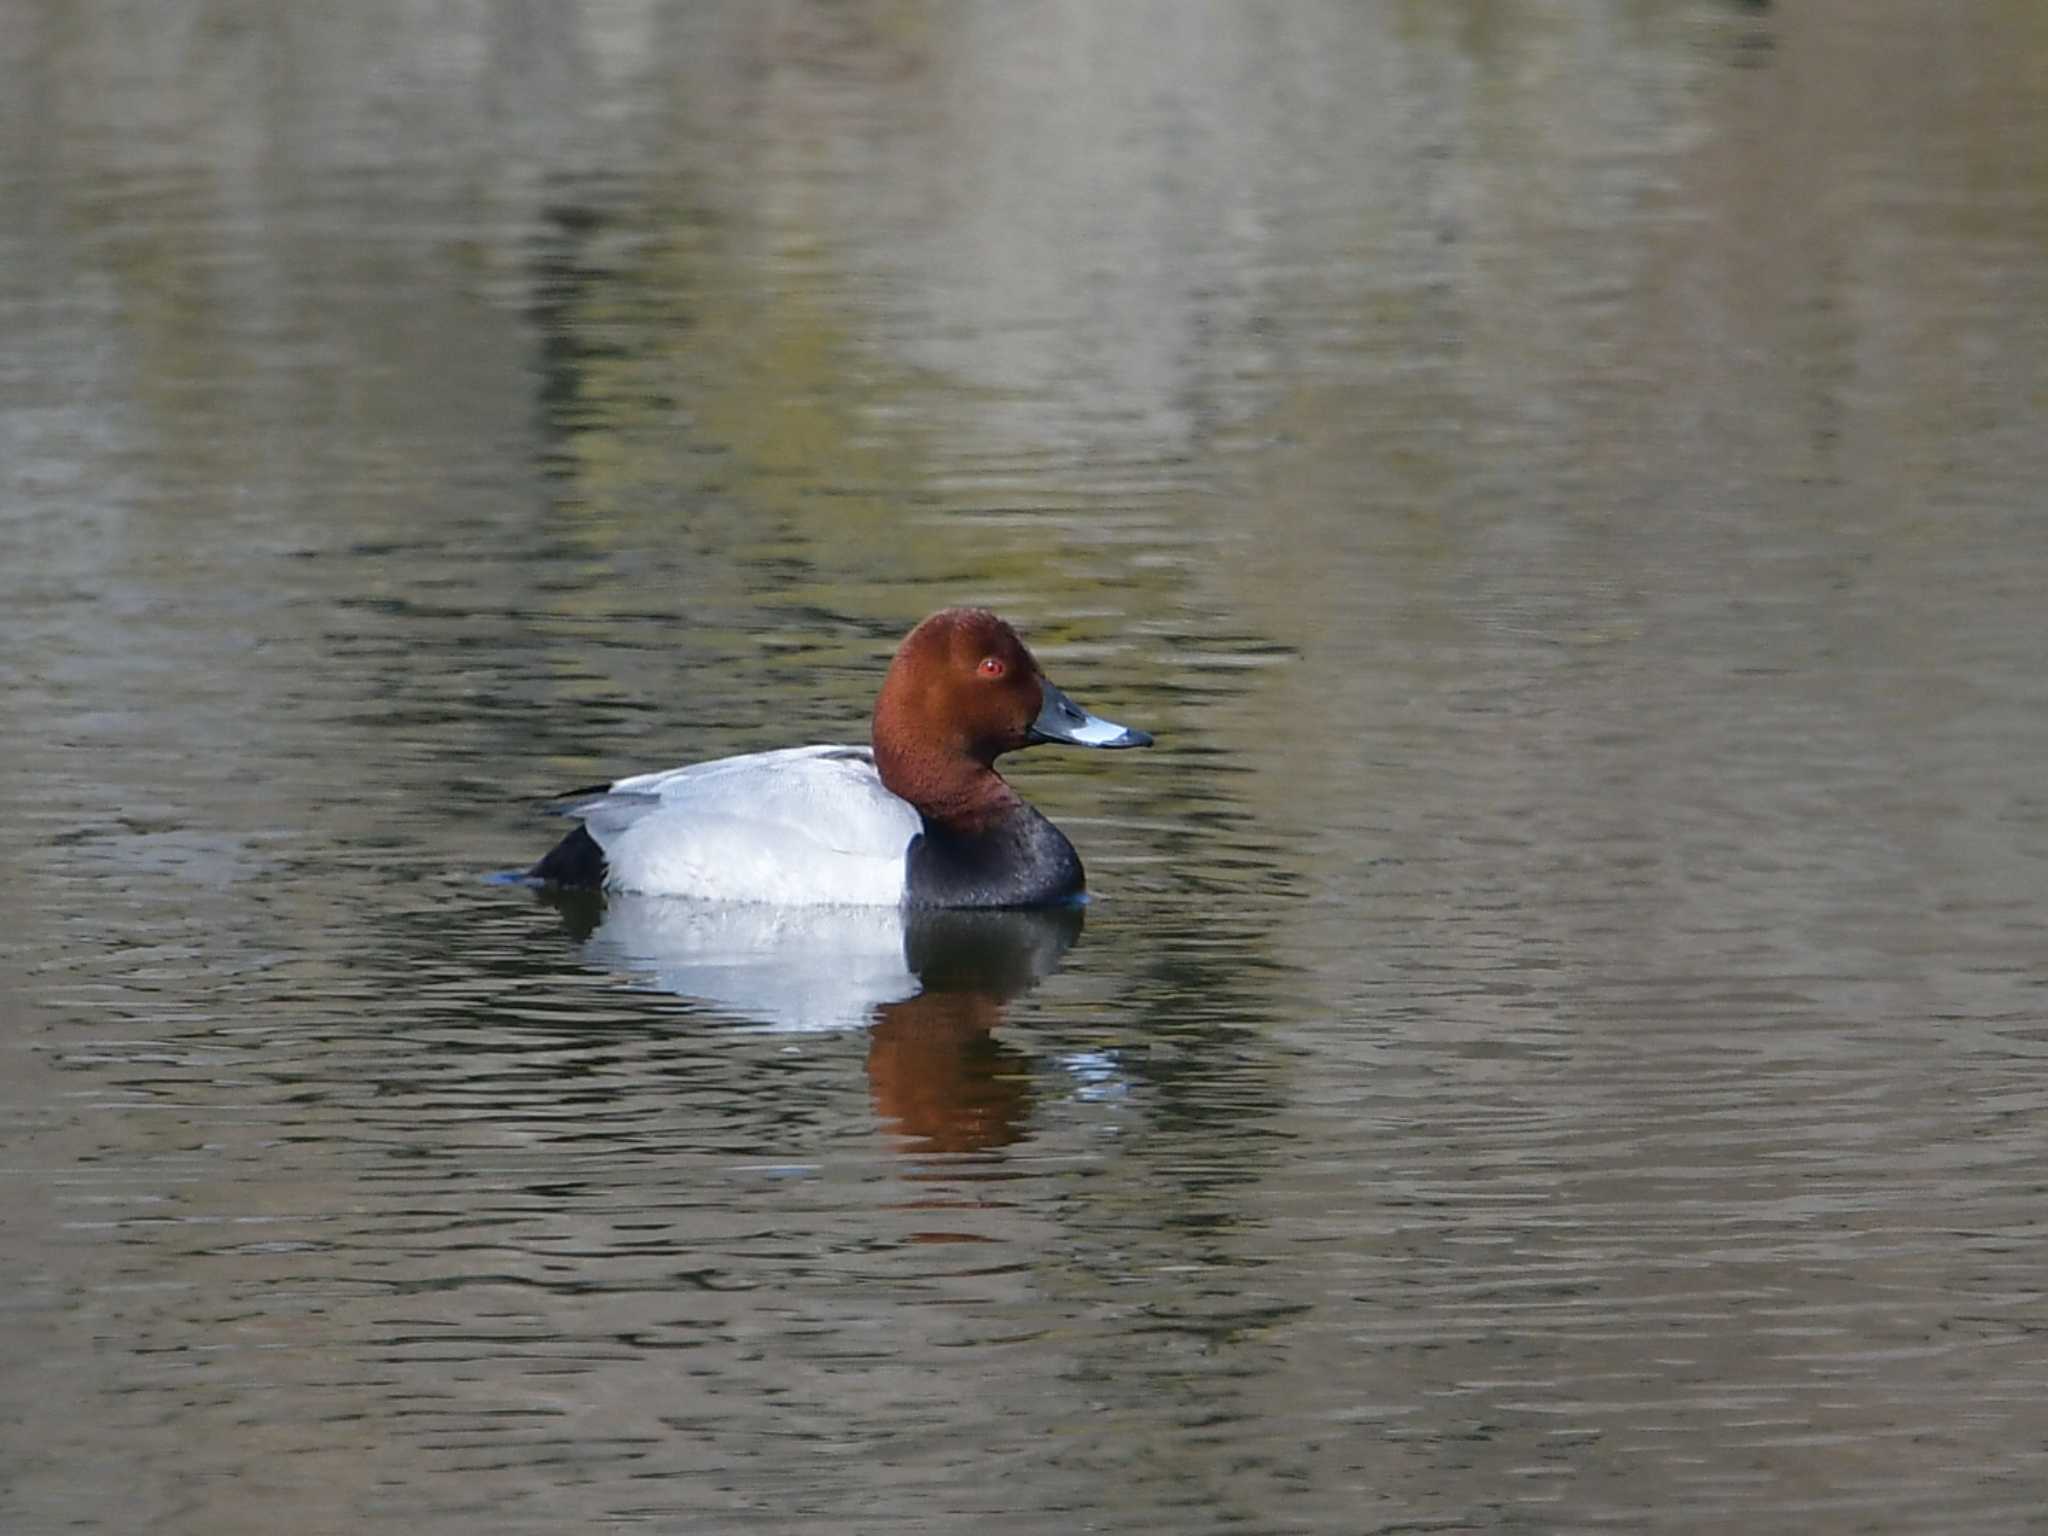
[(948, 789)]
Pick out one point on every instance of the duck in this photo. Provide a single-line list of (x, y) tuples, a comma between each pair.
[(918, 818)]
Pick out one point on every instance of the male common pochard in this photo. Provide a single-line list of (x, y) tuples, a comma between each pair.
[(921, 819)]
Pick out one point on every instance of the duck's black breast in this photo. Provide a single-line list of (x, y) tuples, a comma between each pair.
[(1019, 860)]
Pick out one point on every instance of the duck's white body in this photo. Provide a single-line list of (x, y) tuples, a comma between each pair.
[(805, 826)]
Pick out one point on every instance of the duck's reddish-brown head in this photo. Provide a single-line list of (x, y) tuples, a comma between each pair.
[(962, 691)]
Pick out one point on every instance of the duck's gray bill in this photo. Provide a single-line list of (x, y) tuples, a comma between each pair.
[(1061, 719)]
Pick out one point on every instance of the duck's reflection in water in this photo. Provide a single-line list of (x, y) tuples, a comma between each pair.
[(940, 1077), (930, 987)]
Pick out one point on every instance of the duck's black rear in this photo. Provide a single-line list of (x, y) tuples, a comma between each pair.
[(576, 861)]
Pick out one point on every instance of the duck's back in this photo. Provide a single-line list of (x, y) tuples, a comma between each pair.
[(802, 825)]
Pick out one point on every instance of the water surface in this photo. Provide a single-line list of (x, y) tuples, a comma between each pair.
[(1559, 1039)]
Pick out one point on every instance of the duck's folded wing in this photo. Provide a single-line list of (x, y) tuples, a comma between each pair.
[(751, 771), (725, 858), (822, 797)]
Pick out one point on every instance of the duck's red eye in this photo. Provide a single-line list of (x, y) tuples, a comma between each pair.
[(992, 666)]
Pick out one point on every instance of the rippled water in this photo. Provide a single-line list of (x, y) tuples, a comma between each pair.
[(1561, 1039)]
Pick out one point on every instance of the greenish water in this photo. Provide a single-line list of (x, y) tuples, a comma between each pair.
[(1559, 1039)]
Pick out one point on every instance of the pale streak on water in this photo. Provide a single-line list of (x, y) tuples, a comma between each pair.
[(1560, 1042)]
